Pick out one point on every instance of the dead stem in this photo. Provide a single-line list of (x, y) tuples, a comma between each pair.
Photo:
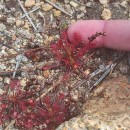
[(12, 122), (29, 19)]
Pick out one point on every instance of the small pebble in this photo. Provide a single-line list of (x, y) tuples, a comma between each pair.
[(46, 73), (1, 79), (83, 9), (81, 125), (19, 23), (51, 38), (25, 33), (23, 82), (1, 92), (106, 14), (46, 7), (12, 61), (57, 13), (11, 20), (124, 68), (2, 66), (1, 7), (103, 2), (87, 72), (75, 95), (89, 4), (74, 4), (22, 58), (80, 15), (124, 4), (26, 26), (2, 27), (29, 3), (7, 80), (113, 75)]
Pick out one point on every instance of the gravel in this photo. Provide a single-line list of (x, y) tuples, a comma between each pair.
[(17, 35)]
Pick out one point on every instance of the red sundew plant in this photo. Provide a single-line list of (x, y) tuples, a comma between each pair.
[(46, 113), (70, 53), (22, 106)]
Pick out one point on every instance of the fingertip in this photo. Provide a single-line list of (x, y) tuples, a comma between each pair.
[(86, 28)]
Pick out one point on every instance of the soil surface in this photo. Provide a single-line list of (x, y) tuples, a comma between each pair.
[(20, 32)]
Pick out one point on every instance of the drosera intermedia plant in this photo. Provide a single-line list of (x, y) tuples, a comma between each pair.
[(25, 105), (31, 110), (70, 54)]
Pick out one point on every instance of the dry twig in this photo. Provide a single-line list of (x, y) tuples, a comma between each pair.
[(36, 8), (27, 15)]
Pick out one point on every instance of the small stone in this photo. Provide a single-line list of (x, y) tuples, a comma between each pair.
[(124, 68), (40, 78), (64, 128), (46, 73), (1, 7), (47, 7), (124, 4), (7, 80), (46, 42), (103, 2), (11, 4), (19, 23), (11, 20), (12, 51), (81, 125), (22, 58), (2, 27), (113, 75), (98, 91), (87, 72), (29, 65), (1, 92), (13, 9), (80, 15), (12, 61), (66, 1), (129, 15), (106, 14), (67, 7), (75, 126), (3, 52), (73, 21), (29, 3), (83, 9), (74, 4), (2, 66), (23, 83), (89, 4), (1, 79), (51, 38), (26, 26), (75, 95), (3, 18), (25, 33), (57, 13)]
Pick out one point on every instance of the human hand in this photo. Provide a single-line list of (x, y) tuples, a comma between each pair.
[(117, 33)]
